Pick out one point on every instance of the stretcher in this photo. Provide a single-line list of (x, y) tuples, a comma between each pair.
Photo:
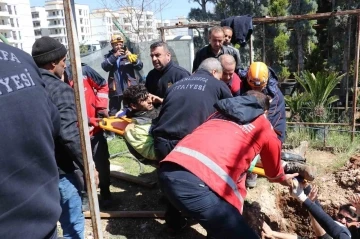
[(118, 125), (115, 124)]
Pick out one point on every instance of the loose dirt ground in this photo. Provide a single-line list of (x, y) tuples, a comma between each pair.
[(270, 202)]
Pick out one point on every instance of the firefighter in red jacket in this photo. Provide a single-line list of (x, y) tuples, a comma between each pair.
[(97, 101), (204, 176)]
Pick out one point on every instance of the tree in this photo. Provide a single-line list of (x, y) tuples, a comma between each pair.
[(204, 13), (303, 37), (136, 17)]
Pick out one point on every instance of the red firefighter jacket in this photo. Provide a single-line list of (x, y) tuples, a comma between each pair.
[(220, 151), (96, 93)]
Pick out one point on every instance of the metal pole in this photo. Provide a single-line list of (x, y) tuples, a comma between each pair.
[(162, 34), (356, 78), (348, 63), (75, 61), (251, 49)]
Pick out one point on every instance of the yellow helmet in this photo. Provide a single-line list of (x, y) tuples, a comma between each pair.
[(258, 75), (116, 38)]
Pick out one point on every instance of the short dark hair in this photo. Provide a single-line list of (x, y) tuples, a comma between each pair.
[(135, 94), (160, 44), (227, 28), (347, 208), (216, 29), (262, 99)]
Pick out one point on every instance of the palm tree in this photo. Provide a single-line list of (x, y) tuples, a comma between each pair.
[(317, 90), (295, 102)]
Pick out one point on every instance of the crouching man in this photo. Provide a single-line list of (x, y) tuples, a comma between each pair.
[(204, 176)]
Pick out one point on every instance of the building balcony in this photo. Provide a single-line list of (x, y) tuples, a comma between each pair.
[(57, 35), (54, 26), (5, 27), (4, 13), (37, 28), (49, 17)]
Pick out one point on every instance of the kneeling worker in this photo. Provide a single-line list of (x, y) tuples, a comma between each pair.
[(204, 176)]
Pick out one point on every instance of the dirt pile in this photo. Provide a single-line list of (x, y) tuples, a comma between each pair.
[(348, 176)]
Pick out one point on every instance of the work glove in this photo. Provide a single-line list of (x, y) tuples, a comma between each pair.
[(132, 58), (297, 191)]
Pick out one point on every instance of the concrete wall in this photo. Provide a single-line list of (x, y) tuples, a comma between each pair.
[(182, 52)]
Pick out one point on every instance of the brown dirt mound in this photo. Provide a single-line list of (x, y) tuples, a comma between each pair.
[(349, 176)]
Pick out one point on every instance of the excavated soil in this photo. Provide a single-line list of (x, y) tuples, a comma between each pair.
[(269, 202)]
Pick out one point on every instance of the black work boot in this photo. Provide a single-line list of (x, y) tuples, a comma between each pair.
[(305, 171)]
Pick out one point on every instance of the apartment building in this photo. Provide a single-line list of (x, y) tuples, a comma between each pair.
[(40, 22), (16, 23), (102, 25), (50, 21), (137, 25)]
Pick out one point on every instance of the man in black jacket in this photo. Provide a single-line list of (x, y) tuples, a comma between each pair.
[(215, 49), (165, 72), (29, 191), (187, 104), (50, 56)]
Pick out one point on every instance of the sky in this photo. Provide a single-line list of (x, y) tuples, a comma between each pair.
[(175, 8)]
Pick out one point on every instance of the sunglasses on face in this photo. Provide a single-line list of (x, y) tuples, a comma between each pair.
[(348, 219)]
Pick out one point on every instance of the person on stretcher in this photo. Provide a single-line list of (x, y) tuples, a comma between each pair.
[(142, 112)]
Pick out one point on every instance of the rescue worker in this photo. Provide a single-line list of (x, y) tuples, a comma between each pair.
[(229, 76), (261, 78), (121, 65), (187, 104), (165, 72), (97, 101), (30, 122), (207, 180), (215, 49)]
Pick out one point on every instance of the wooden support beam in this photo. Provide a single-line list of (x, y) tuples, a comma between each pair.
[(355, 87), (313, 16), (133, 179), (89, 167), (129, 214)]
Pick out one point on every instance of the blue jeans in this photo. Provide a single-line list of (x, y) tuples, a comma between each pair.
[(192, 196), (71, 219)]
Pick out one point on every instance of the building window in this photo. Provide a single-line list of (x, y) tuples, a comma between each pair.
[(14, 35), (21, 46), (17, 22), (15, 10), (19, 35), (81, 21), (80, 12), (3, 22), (53, 13), (12, 22), (9, 9), (82, 30), (83, 37)]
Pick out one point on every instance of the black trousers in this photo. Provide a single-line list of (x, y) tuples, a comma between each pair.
[(115, 104), (101, 157)]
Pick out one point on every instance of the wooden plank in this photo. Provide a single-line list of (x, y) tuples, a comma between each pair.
[(133, 179), (74, 51), (313, 16), (355, 87), (129, 214)]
